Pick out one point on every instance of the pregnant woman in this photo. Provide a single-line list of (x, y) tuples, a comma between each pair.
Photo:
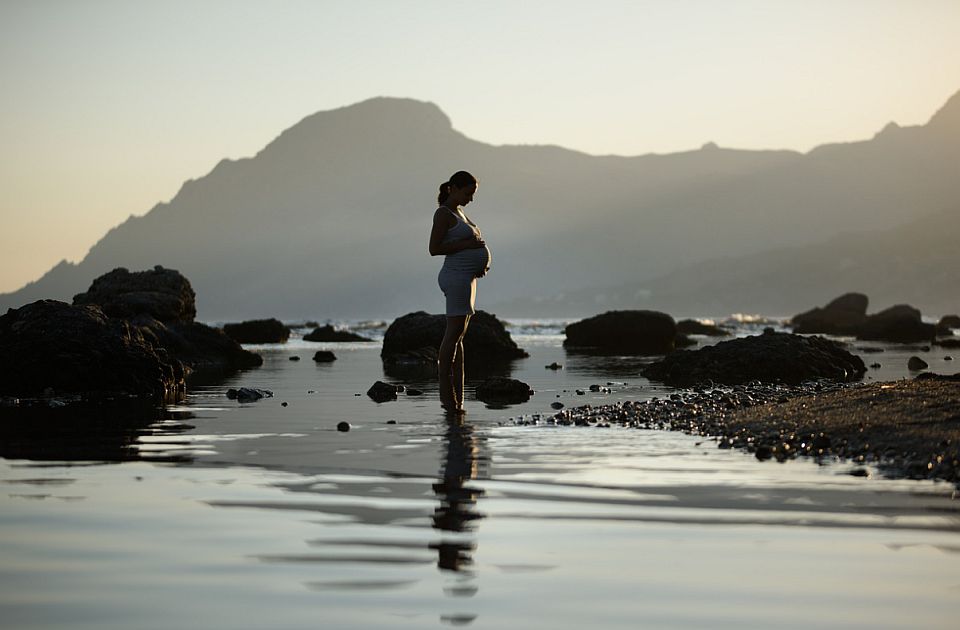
[(466, 258)]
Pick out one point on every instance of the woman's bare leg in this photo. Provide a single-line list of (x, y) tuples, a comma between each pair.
[(456, 326)]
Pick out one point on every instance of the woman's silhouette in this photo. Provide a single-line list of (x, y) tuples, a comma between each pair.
[(466, 258)]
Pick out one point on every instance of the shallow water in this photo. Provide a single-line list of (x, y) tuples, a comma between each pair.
[(269, 517)]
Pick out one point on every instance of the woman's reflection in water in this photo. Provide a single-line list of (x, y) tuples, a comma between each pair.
[(458, 501)]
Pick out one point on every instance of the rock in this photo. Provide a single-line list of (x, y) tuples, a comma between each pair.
[(900, 324), (626, 332), (51, 345), (294, 358), (203, 349), (580, 392), (329, 333), (948, 343), (947, 323), (500, 389), (163, 294), (915, 364), (948, 358), (258, 331), (161, 304), (283, 404), (843, 316), (343, 426), (875, 366), (554, 366), (414, 392), (324, 356), (248, 394), (693, 327), (556, 405), (382, 392), (408, 337), (770, 358)]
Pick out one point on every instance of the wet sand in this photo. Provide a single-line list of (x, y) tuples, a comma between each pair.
[(907, 428), (910, 427)]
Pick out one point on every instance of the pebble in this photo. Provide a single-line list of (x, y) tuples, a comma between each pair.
[(294, 358), (343, 426)]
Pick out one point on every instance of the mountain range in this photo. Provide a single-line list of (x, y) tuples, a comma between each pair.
[(331, 220)]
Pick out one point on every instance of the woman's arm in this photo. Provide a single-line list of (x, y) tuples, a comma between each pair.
[(442, 222)]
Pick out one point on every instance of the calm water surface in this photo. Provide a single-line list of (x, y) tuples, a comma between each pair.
[(258, 515)]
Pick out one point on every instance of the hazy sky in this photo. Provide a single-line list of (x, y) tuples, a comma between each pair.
[(108, 106)]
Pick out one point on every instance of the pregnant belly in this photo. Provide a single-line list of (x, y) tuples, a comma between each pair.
[(472, 261)]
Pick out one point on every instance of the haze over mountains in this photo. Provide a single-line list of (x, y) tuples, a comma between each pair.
[(331, 219)]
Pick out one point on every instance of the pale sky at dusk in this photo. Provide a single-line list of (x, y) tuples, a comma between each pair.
[(109, 106)]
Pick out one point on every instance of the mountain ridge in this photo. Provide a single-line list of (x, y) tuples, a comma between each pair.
[(330, 218)]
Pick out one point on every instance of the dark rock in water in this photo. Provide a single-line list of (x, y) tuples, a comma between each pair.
[(503, 390), (258, 331), (948, 358), (693, 327), (382, 392), (626, 332), (283, 404), (161, 304), (948, 343), (900, 324), (329, 333), (163, 294), (324, 356), (294, 358), (915, 364), (52, 346), (556, 405), (414, 392), (343, 426), (580, 392), (770, 358), (842, 316), (248, 394), (947, 323), (554, 366), (202, 348), (486, 341), (875, 366)]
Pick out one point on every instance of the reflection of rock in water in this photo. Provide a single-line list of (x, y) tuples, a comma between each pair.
[(457, 509), (94, 433)]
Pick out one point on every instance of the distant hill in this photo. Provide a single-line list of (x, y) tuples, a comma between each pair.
[(916, 264), (331, 219)]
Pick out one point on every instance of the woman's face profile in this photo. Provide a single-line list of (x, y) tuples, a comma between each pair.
[(467, 194)]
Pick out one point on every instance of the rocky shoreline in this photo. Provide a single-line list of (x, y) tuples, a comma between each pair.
[(907, 428)]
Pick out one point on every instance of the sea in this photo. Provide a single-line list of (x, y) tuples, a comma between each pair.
[(220, 514)]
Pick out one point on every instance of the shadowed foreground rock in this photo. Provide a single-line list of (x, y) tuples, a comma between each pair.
[(770, 358), (160, 303), (418, 335), (53, 348), (258, 331), (624, 332)]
